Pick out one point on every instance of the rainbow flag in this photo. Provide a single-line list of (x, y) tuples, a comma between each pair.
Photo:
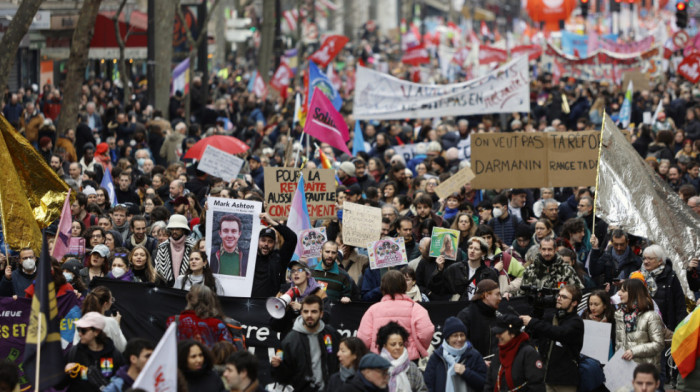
[(684, 346), (299, 217), (325, 162)]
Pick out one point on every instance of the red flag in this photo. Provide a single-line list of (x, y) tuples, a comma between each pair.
[(326, 124), (281, 78), (533, 52), (416, 55), (330, 48), (489, 54), (259, 87)]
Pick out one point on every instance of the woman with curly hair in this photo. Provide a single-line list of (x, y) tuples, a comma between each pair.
[(196, 363), (404, 375)]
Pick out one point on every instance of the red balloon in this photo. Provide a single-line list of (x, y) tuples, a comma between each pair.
[(550, 11)]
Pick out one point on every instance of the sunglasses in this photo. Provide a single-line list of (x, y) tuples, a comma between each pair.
[(120, 255), (83, 331)]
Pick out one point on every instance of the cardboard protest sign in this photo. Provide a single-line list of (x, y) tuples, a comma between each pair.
[(233, 227), (311, 241), (455, 183), (361, 224), (380, 96), (219, 163), (319, 187), (533, 160), (444, 242), (387, 252)]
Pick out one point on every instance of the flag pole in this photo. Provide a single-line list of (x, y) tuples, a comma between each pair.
[(597, 172), (40, 316)]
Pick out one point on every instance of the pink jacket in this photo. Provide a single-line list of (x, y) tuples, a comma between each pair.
[(406, 313)]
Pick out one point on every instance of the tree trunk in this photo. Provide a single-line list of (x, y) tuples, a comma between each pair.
[(123, 76), (164, 25), (267, 39), (19, 25), (78, 60)]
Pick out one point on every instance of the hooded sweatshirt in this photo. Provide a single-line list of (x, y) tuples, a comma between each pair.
[(314, 348)]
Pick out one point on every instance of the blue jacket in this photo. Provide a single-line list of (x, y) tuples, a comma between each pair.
[(435, 375)]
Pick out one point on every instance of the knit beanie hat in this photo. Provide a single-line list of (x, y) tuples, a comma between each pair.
[(348, 168), (452, 325)]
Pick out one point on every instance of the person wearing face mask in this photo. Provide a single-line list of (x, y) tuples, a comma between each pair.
[(71, 271), (503, 223), (14, 283), (59, 282), (120, 266)]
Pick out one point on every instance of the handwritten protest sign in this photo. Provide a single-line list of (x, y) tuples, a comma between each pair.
[(454, 183), (311, 242), (532, 160), (444, 242), (596, 340), (380, 96), (361, 224), (319, 187), (219, 163), (387, 252)]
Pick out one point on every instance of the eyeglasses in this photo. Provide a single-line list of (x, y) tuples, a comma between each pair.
[(563, 296), (296, 270), (83, 331)]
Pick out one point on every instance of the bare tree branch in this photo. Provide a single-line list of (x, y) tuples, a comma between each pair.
[(19, 25)]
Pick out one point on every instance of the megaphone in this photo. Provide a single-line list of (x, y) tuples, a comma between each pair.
[(277, 306)]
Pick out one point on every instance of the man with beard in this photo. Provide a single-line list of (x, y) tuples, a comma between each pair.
[(618, 261), (549, 270), (309, 351), (585, 211), (337, 282), (229, 259), (173, 255), (138, 236), (137, 353), (271, 263), (480, 317), (363, 177)]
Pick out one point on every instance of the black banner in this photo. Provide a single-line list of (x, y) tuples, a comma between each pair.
[(145, 309)]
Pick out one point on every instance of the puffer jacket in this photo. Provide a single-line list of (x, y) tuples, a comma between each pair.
[(646, 341), (410, 315)]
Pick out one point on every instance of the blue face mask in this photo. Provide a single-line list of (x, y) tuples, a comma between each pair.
[(68, 276), (141, 161)]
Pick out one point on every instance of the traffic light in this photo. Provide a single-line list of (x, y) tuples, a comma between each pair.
[(681, 13), (615, 6), (584, 8)]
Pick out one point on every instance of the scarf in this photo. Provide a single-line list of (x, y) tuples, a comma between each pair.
[(177, 253), (506, 354), (143, 243), (452, 355), (450, 212), (629, 315), (398, 371), (414, 293), (619, 259), (346, 373), (650, 277)]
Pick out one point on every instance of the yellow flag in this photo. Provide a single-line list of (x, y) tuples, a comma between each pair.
[(31, 194)]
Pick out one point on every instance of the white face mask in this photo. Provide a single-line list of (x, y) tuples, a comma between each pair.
[(117, 272), (68, 276), (497, 212), (29, 264)]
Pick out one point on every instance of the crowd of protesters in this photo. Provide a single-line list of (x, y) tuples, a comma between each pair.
[(510, 240)]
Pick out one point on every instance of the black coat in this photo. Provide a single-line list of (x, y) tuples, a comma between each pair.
[(270, 270), (457, 278), (479, 318), (295, 369), (359, 384), (203, 380), (527, 367), (431, 281), (81, 354), (604, 268), (436, 370), (670, 298), (565, 341)]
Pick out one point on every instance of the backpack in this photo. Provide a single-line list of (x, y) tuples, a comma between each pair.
[(237, 333), (590, 373)]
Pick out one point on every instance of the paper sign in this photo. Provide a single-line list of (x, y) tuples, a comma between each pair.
[(361, 224), (387, 252), (444, 242), (311, 241), (76, 246), (533, 160), (319, 187), (596, 340), (219, 163), (455, 183), (619, 372), (233, 227)]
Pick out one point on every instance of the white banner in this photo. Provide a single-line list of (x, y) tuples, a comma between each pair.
[(380, 96), (232, 246)]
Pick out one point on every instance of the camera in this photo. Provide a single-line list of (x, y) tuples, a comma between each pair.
[(540, 297)]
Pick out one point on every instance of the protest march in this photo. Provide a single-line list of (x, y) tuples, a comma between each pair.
[(315, 196)]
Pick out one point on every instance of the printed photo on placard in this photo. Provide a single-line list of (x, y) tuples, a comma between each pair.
[(444, 242), (232, 245), (387, 252), (311, 241)]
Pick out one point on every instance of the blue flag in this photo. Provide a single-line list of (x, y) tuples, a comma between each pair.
[(108, 184), (44, 331), (358, 142), (251, 81), (320, 80)]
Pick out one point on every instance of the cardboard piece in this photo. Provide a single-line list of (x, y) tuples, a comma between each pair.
[(455, 183), (387, 252), (596, 340), (361, 224), (444, 242), (219, 163), (533, 160), (640, 81), (319, 187)]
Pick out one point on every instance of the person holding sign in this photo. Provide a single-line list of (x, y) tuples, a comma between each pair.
[(463, 277), (336, 282), (229, 259)]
